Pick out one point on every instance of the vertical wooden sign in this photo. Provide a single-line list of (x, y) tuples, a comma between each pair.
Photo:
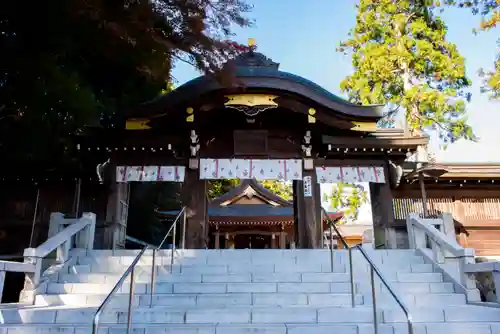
[(307, 186)]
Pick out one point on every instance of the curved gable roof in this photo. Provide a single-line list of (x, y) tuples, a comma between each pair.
[(253, 70), (242, 190)]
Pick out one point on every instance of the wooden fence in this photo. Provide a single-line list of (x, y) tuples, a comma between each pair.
[(466, 211)]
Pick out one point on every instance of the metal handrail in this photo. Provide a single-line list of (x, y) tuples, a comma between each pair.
[(137, 241), (130, 271), (349, 252), (173, 228), (375, 270)]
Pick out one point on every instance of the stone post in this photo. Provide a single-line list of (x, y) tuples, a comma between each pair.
[(55, 223), (2, 280)]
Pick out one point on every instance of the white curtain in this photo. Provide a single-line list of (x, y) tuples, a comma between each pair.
[(150, 173), (286, 170), (350, 174)]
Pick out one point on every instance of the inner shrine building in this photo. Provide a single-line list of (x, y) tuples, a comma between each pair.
[(265, 124), (250, 216)]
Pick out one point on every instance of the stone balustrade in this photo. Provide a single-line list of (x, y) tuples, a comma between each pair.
[(436, 240), (46, 260)]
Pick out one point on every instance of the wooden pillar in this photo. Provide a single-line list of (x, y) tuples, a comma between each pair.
[(319, 213), (282, 240), (311, 200), (297, 211), (217, 240), (424, 195), (273, 240), (193, 197), (304, 214), (382, 211), (117, 214), (107, 242)]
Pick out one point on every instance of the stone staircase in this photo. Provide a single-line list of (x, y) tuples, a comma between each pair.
[(249, 291)]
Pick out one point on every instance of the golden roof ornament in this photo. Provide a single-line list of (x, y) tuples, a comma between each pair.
[(252, 43)]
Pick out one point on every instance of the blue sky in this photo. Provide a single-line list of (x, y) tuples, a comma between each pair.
[(302, 36)]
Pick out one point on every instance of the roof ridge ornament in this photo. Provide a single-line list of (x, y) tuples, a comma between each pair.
[(252, 43), (249, 192), (253, 59)]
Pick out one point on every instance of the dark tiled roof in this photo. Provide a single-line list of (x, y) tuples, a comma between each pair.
[(249, 210), (242, 210), (255, 71)]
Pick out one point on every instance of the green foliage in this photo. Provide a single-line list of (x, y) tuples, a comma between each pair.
[(401, 58), (348, 198), (67, 64), (280, 188), (489, 10), (216, 188)]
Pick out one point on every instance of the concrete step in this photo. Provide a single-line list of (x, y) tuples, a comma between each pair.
[(430, 328), (145, 277), (142, 287), (212, 269), (166, 260), (162, 287), (245, 254), (412, 287), (246, 315), (398, 277), (312, 277), (416, 300), (231, 299), (359, 269), (204, 300), (260, 258)]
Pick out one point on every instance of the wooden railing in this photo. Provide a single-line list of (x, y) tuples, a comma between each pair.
[(468, 211)]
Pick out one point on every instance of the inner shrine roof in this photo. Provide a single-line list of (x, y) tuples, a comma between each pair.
[(254, 72), (243, 210), (268, 206)]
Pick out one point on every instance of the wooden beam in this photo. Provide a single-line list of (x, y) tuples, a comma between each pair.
[(319, 162), (369, 142)]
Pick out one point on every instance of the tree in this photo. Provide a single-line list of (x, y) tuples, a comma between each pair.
[(348, 198), (281, 188), (67, 64), (401, 59), (492, 79), (489, 10), (218, 188)]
